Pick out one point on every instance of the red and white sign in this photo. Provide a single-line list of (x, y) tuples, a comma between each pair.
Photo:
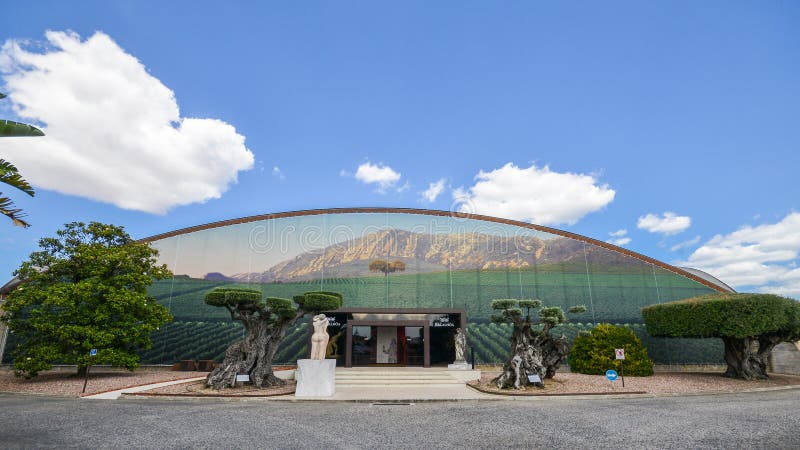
[(620, 353)]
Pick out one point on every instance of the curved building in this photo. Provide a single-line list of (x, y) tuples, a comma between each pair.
[(409, 278)]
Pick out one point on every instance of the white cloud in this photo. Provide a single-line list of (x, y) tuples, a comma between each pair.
[(669, 223), (113, 131), (620, 238), (534, 194), (620, 242), (434, 190), (383, 176), (278, 173), (685, 244), (762, 258)]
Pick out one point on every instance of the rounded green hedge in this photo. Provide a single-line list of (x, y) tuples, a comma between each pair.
[(593, 352), (724, 315)]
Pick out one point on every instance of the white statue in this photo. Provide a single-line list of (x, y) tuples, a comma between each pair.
[(319, 340), (461, 346)]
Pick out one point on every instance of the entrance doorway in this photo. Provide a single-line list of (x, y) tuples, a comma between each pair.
[(389, 337), (388, 345)]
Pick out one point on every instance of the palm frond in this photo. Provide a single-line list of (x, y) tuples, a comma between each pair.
[(8, 210), (9, 174), (9, 128)]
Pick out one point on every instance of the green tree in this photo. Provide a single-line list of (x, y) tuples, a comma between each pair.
[(750, 326), (265, 322), (533, 350), (9, 173), (85, 289), (593, 352)]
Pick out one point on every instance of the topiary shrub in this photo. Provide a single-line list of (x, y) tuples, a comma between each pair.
[(750, 326), (593, 352)]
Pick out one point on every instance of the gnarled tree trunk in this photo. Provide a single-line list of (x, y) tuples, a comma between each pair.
[(747, 358), (252, 356), (533, 352), (526, 359)]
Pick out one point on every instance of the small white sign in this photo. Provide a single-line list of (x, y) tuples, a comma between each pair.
[(534, 379), (620, 353), (242, 378)]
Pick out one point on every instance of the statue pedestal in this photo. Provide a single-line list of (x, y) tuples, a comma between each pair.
[(459, 365), (315, 378)]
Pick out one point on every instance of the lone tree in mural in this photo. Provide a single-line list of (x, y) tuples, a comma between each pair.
[(265, 323), (382, 265), (533, 350), (750, 326), (85, 289)]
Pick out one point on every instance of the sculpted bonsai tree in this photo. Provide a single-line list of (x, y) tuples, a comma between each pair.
[(750, 326), (533, 350), (265, 323)]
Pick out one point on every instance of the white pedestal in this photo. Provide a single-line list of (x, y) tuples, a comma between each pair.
[(459, 365), (315, 378)]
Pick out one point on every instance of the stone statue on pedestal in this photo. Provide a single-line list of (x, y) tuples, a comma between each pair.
[(319, 340), (461, 346)]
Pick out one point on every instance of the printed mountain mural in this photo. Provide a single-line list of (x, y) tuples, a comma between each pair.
[(423, 252)]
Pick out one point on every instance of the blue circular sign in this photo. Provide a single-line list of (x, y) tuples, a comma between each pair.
[(611, 375)]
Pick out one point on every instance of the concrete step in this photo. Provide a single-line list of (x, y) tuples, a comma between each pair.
[(400, 376)]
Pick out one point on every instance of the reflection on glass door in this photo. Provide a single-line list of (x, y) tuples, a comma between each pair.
[(387, 345), (414, 348), (364, 345)]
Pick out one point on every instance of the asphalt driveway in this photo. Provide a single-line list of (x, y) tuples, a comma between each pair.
[(748, 420)]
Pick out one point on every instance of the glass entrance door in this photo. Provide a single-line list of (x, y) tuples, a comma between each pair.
[(386, 344)]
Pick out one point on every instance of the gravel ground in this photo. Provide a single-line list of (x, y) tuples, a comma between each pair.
[(660, 383), (199, 389), (103, 379)]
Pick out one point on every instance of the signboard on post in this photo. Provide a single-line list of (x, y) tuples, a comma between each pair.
[(611, 375), (620, 353), (93, 352)]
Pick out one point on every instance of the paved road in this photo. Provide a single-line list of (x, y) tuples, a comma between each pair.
[(749, 420)]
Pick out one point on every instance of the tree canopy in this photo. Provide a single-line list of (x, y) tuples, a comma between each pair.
[(382, 265), (750, 326), (85, 289)]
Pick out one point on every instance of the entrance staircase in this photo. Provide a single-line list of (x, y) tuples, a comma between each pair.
[(394, 376)]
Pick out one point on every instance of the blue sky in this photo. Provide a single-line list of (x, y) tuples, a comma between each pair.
[(589, 117)]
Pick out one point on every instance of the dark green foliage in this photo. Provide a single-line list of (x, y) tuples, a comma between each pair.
[(233, 297), (501, 304), (321, 301), (553, 315), (280, 306), (577, 309), (725, 315), (92, 294), (593, 352)]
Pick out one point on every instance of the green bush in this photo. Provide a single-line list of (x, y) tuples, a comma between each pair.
[(725, 315), (593, 352)]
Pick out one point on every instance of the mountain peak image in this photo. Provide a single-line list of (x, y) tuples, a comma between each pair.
[(422, 253)]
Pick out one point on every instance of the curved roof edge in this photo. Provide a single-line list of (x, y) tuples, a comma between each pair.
[(717, 286), (710, 278)]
